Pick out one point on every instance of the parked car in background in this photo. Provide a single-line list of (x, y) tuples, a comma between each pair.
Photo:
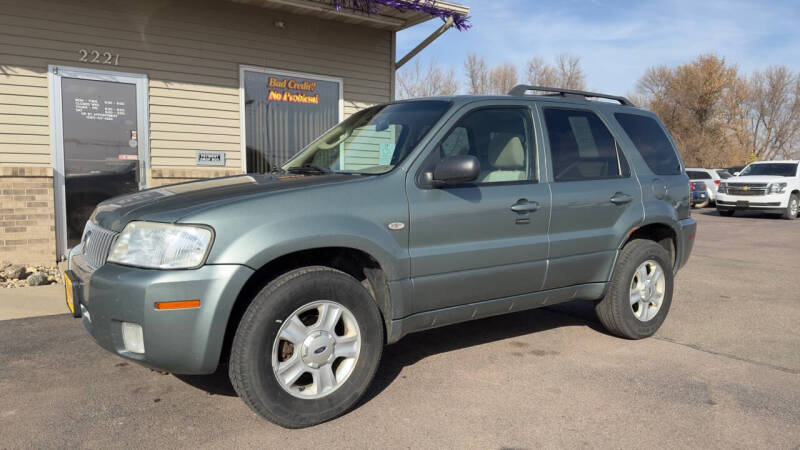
[(771, 186), (699, 194), (406, 216), (711, 177)]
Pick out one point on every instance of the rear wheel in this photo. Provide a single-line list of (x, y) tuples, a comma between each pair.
[(791, 209), (307, 347), (640, 292)]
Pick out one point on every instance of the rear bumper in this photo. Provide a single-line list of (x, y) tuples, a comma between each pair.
[(185, 341), (687, 228)]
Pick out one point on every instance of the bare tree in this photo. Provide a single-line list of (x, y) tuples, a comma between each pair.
[(477, 74), (425, 82), (541, 74), (774, 116), (570, 73), (566, 74), (502, 78)]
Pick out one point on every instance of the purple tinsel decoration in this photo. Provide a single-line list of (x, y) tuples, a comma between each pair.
[(461, 22)]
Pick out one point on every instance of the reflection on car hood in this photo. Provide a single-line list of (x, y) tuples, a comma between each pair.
[(170, 203), (756, 179)]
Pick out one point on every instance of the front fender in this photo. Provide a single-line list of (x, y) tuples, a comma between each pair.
[(262, 244)]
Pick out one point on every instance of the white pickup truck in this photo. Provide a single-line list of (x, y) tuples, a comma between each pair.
[(771, 186)]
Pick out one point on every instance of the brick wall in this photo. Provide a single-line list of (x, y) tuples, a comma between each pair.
[(163, 176), (27, 217)]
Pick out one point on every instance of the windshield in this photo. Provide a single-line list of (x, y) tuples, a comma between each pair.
[(372, 141), (778, 169)]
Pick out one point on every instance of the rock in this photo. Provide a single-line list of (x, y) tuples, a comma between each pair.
[(4, 265), (38, 279), (15, 272)]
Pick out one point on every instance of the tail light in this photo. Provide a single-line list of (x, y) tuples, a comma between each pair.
[(691, 185), (717, 182)]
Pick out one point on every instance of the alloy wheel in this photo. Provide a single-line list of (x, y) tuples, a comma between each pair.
[(647, 290), (316, 349)]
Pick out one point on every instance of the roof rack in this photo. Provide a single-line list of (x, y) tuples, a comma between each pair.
[(521, 89)]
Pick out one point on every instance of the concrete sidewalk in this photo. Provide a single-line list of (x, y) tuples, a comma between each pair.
[(17, 303)]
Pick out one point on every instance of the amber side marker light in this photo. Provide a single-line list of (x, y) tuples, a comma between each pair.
[(181, 304)]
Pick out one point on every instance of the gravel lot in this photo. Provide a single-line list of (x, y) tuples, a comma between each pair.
[(723, 372)]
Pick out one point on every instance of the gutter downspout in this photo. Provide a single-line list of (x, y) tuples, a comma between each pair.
[(446, 26)]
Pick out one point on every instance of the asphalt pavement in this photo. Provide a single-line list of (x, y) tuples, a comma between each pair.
[(723, 372)]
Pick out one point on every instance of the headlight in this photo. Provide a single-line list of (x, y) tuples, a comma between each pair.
[(722, 188), (776, 188), (161, 245)]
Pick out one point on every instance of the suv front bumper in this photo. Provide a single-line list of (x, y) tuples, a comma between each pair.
[(760, 202), (184, 341)]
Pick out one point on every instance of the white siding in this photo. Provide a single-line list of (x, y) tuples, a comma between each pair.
[(191, 54)]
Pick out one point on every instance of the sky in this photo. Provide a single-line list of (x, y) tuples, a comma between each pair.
[(618, 40)]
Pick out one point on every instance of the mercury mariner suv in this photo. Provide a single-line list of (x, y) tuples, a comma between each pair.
[(769, 186), (406, 216)]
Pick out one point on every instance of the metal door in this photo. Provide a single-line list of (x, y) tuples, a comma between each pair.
[(100, 143)]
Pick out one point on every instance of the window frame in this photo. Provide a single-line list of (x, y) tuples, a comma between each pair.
[(549, 150), (430, 158)]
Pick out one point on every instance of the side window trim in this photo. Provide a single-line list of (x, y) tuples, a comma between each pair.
[(617, 147), (531, 138)]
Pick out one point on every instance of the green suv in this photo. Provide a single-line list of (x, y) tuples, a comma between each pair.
[(406, 216)]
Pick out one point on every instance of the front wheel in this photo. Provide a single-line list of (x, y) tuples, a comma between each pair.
[(307, 347), (640, 292), (791, 209)]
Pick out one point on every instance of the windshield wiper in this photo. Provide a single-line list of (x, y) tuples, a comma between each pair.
[(308, 169)]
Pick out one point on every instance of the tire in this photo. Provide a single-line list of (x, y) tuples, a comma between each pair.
[(254, 356), (726, 212), (616, 311), (792, 208), (701, 205)]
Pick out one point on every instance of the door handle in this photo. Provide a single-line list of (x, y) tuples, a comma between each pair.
[(523, 206), (620, 198)]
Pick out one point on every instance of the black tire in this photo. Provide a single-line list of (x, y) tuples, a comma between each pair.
[(250, 368), (701, 205), (614, 311), (726, 212), (791, 208)]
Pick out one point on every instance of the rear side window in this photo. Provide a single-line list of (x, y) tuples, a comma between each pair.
[(697, 175), (652, 143), (581, 147)]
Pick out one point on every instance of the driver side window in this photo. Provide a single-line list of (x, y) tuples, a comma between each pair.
[(500, 138)]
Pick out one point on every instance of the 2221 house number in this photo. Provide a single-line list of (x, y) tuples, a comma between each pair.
[(98, 57)]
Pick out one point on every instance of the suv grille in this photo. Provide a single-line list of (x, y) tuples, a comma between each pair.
[(96, 243), (747, 188)]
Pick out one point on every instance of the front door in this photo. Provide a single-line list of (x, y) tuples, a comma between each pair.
[(100, 143), (487, 239)]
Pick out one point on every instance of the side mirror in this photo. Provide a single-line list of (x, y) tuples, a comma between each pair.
[(456, 169)]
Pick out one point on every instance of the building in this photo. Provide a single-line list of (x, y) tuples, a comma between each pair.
[(99, 98)]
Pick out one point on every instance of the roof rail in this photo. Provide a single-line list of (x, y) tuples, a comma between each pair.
[(521, 89)]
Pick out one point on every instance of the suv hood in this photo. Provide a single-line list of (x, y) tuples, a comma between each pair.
[(756, 179), (170, 203)]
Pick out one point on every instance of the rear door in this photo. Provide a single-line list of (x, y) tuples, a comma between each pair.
[(596, 197)]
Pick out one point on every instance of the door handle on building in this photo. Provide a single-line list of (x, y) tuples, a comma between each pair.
[(620, 198), (523, 206)]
